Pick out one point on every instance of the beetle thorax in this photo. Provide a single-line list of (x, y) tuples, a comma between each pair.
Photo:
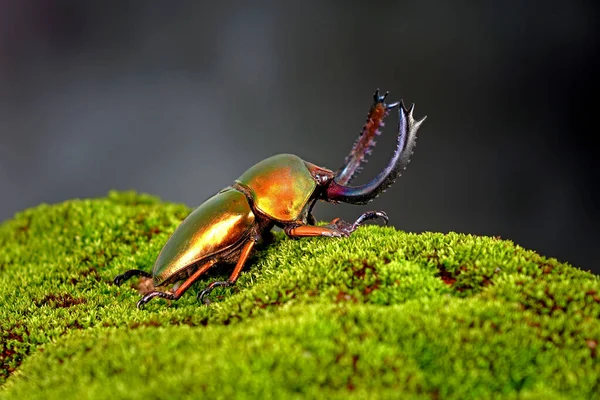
[(281, 186)]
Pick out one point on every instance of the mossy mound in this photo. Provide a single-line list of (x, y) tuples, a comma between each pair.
[(382, 314)]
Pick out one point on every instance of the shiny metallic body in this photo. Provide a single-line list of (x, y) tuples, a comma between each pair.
[(279, 191), (280, 186), (215, 226)]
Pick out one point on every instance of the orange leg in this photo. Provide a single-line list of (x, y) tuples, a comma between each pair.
[(311, 230), (246, 250), (190, 281), (181, 289), (336, 228)]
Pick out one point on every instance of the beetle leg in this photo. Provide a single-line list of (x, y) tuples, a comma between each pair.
[(151, 295), (336, 228), (180, 290), (130, 274), (246, 250)]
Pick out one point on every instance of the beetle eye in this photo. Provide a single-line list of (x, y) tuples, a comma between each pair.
[(321, 178)]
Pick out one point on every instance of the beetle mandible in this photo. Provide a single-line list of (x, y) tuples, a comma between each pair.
[(279, 191)]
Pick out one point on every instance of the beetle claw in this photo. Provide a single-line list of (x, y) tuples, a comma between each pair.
[(341, 228), (151, 295), (119, 279), (371, 215), (201, 296)]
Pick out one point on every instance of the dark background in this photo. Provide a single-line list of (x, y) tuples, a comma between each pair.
[(177, 99)]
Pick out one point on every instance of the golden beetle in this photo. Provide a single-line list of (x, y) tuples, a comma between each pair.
[(279, 191)]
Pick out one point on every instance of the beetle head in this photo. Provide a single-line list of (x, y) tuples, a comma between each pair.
[(322, 176), (338, 189)]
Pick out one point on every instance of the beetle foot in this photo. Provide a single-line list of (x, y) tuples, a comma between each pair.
[(130, 274), (369, 215), (339, 228), (201, 296), (344, 229), (151, 295)]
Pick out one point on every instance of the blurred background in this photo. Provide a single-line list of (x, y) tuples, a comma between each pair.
[(178, 99)]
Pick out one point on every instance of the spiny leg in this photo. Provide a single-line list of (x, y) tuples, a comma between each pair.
[(130, 274), (180, 290), (336, 228), (245, 254)]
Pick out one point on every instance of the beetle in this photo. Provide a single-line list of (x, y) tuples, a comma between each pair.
[(278, 191)]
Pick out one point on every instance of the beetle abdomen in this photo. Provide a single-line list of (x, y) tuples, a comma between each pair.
[(215, 225), (281, 186)]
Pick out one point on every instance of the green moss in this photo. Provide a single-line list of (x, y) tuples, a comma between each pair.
[(382, 314)]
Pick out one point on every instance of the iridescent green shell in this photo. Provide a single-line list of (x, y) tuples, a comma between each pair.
[(281, 186), (216, 225)]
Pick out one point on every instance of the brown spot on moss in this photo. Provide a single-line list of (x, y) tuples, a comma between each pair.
[(533, 324), (355, 358), (153, 323), (64, 300), (449, 278), (350, 385), (344, 297), (23, 228), (361, 273), (594, 294), (289, 293), (10, 355), (446, 276), (152, 232), (260, 303), (369, 289), (592, 345), (486, 281), (189, 321), (541, 304), (6, 352), (75, 324)]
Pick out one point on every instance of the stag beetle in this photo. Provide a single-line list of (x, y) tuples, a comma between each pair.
[(279, 191)]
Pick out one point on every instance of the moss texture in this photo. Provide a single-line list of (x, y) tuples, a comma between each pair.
[(382, 314)]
